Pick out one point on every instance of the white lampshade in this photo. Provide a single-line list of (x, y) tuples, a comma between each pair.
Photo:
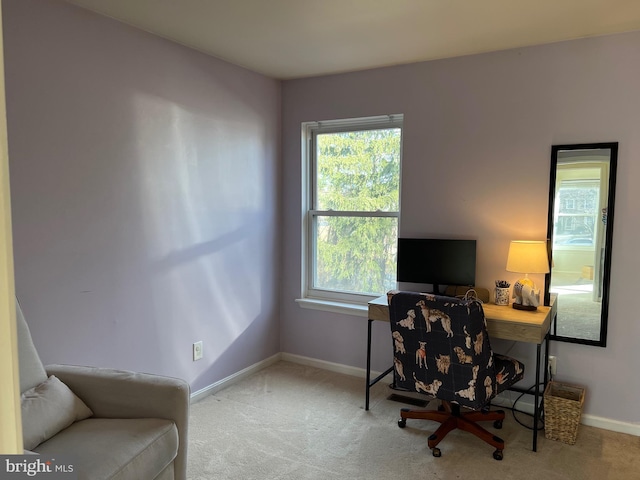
[(528, 256)]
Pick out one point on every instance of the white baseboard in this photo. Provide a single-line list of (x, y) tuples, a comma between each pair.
[(289, 357), (505, 399), (324, 365), (610, 424), (231, 379)]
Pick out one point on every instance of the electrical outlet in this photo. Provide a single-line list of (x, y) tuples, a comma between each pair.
[(552, 365), (197, 351)]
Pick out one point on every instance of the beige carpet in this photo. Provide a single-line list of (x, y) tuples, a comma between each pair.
[(295, 422)]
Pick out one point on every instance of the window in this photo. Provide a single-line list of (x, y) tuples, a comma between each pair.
[(352, 184)]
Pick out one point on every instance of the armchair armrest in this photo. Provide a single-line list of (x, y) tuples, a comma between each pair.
[(122, 394)]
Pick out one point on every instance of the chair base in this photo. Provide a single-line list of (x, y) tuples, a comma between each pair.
[(450, 417)]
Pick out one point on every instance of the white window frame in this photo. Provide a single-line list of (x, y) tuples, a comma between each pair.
[(344, 302)]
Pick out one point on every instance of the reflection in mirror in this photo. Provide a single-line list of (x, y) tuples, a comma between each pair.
[(581, 200)]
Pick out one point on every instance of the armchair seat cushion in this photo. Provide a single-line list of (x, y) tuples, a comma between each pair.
[(111, 448)]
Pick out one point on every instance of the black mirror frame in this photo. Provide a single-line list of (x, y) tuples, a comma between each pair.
[(613, 167)]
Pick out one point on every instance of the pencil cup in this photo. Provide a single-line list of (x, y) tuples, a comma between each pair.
[(502, 296)]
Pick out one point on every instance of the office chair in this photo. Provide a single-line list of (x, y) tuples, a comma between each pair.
[(442, 349)]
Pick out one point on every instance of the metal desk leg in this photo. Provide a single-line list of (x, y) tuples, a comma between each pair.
[(370, 382), (366, 402), (546, 360), (536, 404)]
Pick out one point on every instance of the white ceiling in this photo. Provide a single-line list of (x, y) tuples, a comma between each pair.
[(300, 38)]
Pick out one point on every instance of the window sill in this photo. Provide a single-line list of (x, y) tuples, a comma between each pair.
[(335, 307)]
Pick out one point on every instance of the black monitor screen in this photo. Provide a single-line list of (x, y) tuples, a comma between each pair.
[(437, 261)]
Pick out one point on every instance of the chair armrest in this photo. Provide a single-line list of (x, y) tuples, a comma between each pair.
[(123, 394)]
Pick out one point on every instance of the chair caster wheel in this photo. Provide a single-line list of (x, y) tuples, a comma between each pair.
[(402, 423), (436, 452), (497, 424), (498, 455)]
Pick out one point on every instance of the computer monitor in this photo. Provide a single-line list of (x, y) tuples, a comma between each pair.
[(436, 262)]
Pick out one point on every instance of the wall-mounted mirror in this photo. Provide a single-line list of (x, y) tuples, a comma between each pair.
[(581, 201)]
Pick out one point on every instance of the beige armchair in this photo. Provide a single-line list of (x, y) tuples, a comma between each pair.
[(115, 424)]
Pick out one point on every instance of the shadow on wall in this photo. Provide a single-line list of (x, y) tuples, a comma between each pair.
[(202, 213), (144, 197)]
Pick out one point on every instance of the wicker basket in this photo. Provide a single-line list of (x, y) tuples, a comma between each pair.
[(562, 410)]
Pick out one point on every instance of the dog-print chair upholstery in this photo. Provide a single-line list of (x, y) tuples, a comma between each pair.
[(441, 348)]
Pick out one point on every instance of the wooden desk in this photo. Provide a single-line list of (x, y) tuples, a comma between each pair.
[(503, 322)]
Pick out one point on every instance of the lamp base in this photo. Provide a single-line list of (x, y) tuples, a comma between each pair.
[(519, 306)]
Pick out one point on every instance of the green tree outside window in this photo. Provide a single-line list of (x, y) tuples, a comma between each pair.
[(357, 176)]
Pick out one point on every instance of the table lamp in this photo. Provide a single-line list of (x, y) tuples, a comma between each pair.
[(527, 256)]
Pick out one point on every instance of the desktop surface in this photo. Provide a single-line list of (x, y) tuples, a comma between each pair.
[(503, 321)]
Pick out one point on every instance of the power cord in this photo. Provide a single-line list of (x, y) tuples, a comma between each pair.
[(528, 391), (514, 410)]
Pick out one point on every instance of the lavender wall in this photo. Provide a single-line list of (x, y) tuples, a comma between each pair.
[(144, 181), (477, 141)]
